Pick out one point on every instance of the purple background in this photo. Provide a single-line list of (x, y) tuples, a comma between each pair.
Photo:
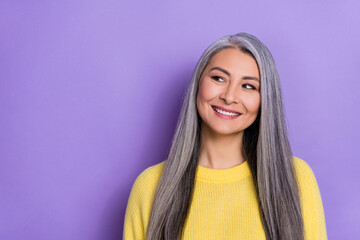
[(90, 92)]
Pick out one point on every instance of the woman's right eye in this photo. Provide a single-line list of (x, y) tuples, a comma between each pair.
[(217, 78)]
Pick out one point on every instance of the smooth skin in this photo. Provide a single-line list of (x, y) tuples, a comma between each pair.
[(230, 80)]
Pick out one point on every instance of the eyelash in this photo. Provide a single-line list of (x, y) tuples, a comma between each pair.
[(252, 87), (216, 78)]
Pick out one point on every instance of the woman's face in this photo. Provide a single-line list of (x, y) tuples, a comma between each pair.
[(228, 99)]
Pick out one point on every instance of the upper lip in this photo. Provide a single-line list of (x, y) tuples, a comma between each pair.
[(225, 109)]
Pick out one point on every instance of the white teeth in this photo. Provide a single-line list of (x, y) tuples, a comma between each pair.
[(226, 113)]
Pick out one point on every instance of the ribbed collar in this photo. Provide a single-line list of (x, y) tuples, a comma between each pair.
[(223, 175)]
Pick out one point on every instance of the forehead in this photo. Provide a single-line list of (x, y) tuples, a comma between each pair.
[(234, 61)]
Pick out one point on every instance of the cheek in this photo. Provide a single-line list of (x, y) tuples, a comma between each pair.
[(205, 94), (253, 103), (201, 91), (207, 91), (201, 96)]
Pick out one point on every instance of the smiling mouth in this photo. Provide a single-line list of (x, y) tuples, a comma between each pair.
[(226, 113)]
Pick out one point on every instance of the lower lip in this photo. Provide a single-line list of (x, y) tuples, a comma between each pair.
[(225, 116)]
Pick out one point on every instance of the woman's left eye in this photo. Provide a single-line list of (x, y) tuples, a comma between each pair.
[(248, 86), (217, 78)]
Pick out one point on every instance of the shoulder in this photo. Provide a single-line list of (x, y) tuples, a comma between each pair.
[(150, 175), (146, 182), (301, 167), (304, 173)]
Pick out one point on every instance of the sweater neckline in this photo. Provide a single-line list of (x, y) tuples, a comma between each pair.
[(223, 175)]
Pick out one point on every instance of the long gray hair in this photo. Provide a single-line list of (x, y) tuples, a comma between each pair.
[(265, 144)]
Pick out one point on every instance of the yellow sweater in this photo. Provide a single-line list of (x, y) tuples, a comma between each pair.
[(224, 204)]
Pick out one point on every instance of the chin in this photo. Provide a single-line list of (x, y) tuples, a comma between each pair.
[(226, 131)]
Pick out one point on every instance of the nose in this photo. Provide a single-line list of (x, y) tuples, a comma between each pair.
[(230, 94)]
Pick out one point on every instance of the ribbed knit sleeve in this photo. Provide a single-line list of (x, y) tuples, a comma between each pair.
[(311, 203), (139, 203)]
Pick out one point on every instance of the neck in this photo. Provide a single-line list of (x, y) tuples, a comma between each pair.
[(220, 151)]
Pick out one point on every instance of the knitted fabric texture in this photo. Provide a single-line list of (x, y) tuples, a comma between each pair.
[(224, 204)]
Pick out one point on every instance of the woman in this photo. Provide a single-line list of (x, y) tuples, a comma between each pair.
[(230, 173)]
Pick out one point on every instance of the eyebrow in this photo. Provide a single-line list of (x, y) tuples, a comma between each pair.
[(227, 73)]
